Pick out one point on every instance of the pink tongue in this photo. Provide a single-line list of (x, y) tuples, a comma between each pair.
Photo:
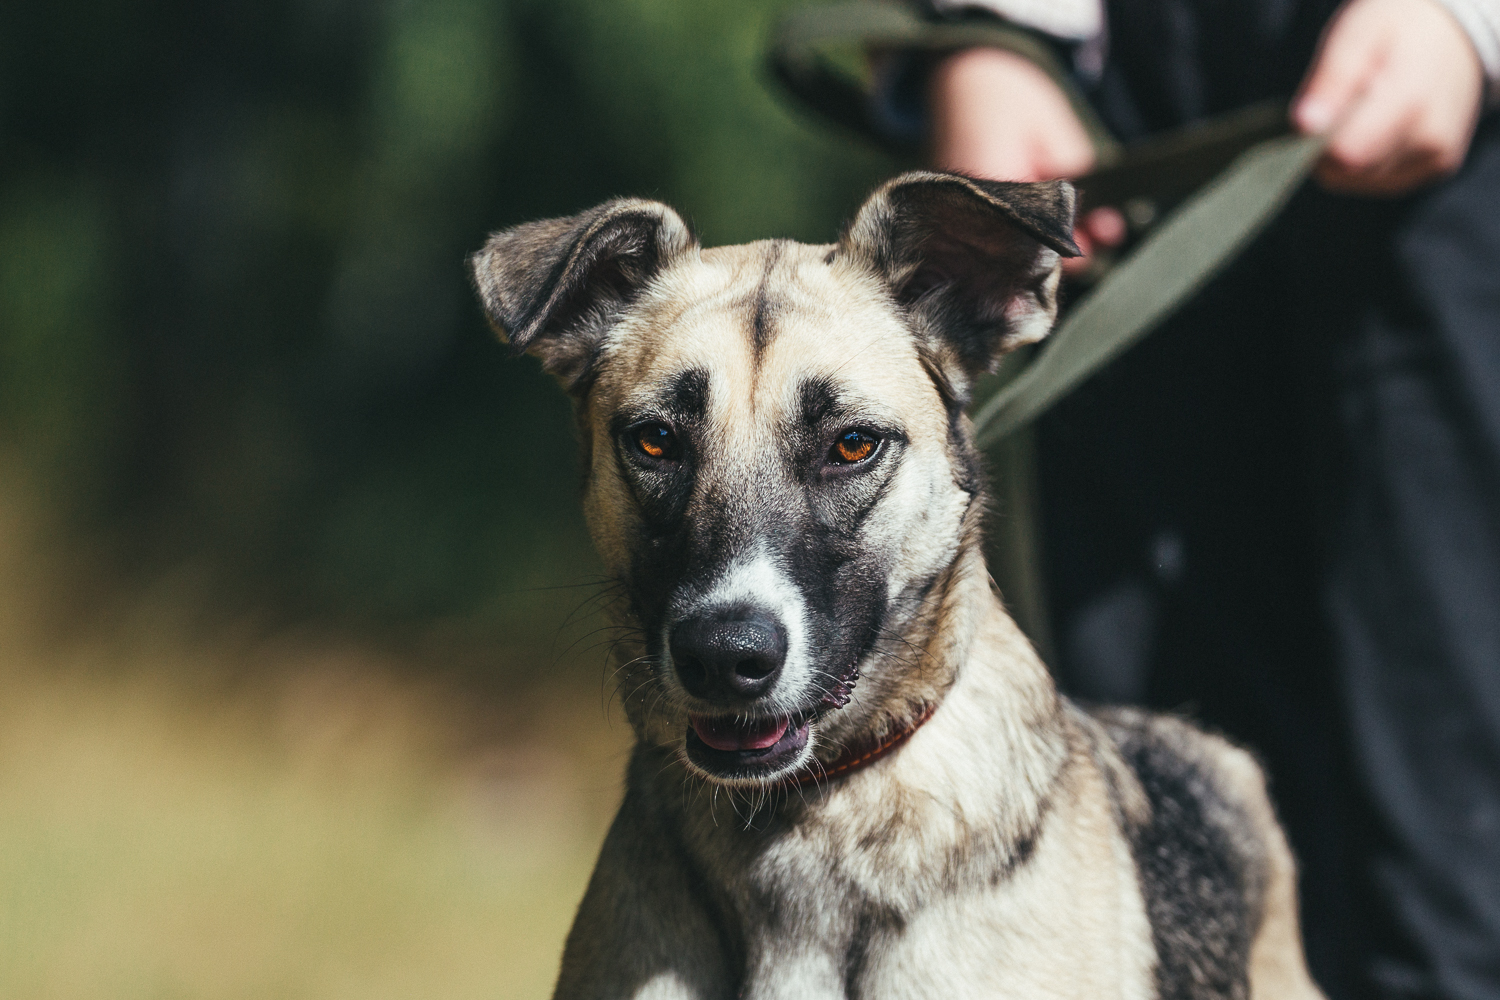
[(726, 734)]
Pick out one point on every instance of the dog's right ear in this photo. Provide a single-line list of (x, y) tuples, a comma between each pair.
[(554, 288)]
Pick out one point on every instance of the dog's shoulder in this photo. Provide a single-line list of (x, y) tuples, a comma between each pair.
[(1193, 806)]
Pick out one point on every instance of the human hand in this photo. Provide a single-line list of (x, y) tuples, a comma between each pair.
[(997, 115), (1397, 87)]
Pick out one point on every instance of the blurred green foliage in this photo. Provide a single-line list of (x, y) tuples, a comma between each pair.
[(235, 327)]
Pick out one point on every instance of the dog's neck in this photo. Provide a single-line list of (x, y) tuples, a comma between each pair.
[(962, 636)]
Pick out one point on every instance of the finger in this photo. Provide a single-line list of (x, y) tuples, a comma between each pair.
[(1414, 121), (1105, 225), (1347, 58), (1376, 130), (1395, 177), (997, 115), (1379, 184), (1073, 266), (1394, 139)]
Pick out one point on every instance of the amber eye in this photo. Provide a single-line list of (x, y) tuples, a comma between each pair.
[(655, 441), (851, 447)]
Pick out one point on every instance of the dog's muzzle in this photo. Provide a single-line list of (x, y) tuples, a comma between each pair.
[(729, 658)]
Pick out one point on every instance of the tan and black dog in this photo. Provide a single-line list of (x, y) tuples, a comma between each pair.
[(853, 776)]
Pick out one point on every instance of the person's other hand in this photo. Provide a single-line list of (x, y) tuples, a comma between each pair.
[(997, 115), (1397, 87)]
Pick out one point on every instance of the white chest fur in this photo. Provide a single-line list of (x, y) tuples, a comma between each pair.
[(978, 862)]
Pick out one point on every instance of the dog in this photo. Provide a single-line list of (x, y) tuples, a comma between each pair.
[(853, 776)]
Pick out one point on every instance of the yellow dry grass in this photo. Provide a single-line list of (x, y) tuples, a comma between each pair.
[(324, 829)]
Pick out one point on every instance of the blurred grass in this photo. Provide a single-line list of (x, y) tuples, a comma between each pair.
[(212, 816)]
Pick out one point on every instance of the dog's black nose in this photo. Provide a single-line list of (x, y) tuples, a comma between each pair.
[(728, 655)]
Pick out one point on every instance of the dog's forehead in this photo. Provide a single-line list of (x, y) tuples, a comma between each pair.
[(760, 321)]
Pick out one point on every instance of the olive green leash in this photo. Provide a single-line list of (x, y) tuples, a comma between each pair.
[(1198, 240)]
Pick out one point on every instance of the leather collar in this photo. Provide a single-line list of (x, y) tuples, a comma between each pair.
[(860, 754)]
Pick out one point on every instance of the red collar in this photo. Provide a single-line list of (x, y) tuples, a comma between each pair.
[(860, 754)]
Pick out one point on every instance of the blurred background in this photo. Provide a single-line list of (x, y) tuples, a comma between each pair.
[(301, 693)]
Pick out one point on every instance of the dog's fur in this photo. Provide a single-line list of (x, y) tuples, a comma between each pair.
[(1015, 845)]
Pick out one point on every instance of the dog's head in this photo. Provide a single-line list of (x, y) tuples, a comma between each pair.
[(778, 468)]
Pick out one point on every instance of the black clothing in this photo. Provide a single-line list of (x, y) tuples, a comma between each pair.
[(1282, 513)]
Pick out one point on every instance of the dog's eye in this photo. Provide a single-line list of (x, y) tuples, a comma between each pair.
[(655, 441), (851, 447)]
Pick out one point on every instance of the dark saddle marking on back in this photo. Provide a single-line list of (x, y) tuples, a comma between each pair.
[(1202, 875)]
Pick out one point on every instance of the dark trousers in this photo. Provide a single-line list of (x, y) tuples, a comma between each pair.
[(1281, 513)]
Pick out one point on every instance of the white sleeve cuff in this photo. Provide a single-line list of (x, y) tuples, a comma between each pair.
[(1070, 20), (1480, 20)]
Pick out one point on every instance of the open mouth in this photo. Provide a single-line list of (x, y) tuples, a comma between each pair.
[(731, 748)]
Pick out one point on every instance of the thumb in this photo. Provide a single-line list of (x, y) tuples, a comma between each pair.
[(1346, 60)]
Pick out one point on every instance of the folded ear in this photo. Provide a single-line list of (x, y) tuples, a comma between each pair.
[(554, 288), (975, 262)]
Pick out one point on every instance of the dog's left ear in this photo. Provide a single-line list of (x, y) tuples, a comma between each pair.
[(977, 263)]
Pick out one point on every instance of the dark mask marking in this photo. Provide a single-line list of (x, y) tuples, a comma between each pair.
[(662, 492), (817, 401), (809, 517), (843, 580), (687, 396), (762, 313)]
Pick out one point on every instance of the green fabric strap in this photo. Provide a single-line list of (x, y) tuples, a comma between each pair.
[(1193, 244)]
